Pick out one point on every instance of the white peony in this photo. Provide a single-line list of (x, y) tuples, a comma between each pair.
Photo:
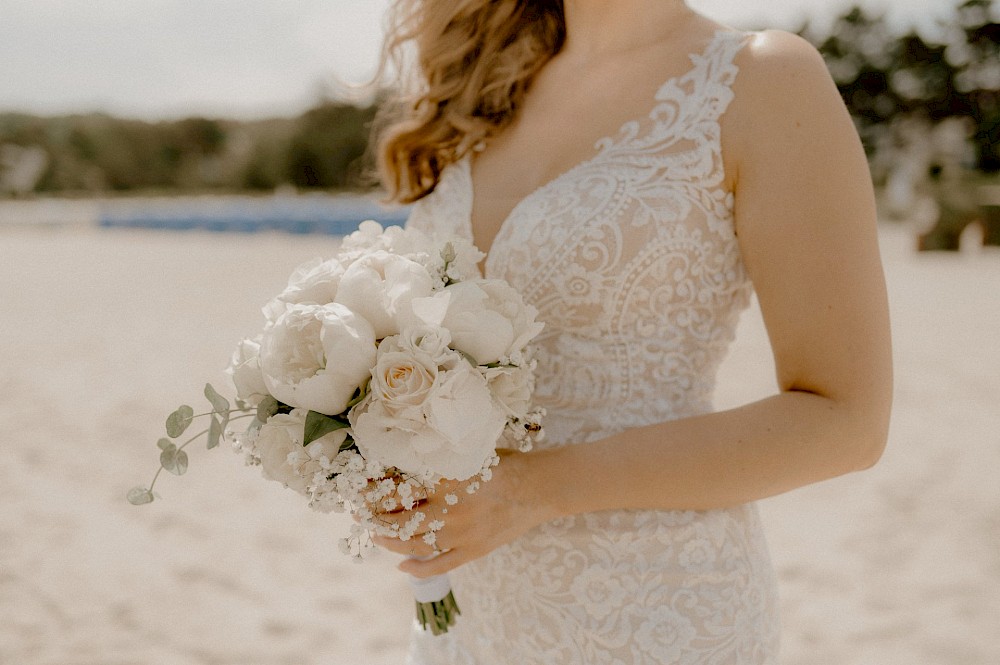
[(381, 287), (244, 369), (487, 319), (447, 428), (314, 281), (284, 459), (371, 237), (316, 356)]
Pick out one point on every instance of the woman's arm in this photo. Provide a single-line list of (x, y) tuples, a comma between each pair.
[(806, 222)]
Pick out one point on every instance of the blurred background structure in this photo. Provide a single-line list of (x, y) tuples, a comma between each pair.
[(925, 98)]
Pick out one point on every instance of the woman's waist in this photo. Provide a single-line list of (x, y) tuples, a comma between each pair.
[(609, 367), (568, 426), (663, 539)]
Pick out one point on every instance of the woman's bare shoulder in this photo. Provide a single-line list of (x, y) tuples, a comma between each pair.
[(783, 91), (781, 70), (770, 52)]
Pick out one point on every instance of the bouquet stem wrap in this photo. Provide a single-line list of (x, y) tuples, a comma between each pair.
[(436, 605)]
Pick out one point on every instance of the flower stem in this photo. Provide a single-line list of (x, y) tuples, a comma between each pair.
[(195, 438), (438, 615)]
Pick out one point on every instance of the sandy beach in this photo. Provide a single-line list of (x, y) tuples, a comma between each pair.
[(105, 332)]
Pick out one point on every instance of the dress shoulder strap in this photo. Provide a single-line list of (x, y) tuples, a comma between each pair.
[(708, 84)]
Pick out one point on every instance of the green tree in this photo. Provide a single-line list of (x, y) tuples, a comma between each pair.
[(328, 146)]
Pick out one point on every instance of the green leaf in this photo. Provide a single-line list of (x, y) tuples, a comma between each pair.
[(360, 394), (179, 420), (267, 408), (138, 496), (319, 425), (174, 461), (219, 403), (166, 444), (472, 361), (214, 432)]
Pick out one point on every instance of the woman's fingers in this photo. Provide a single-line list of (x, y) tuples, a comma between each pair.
[(434, 510), (413, 547), (438, 565)]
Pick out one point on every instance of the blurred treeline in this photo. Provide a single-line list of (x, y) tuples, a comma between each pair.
[(322, 148), (901, 89), (891, 83)]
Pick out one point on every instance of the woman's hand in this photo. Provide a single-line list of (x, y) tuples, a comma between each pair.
[(497, 513)]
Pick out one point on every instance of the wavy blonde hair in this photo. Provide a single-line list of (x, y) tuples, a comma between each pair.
[(474, 62)]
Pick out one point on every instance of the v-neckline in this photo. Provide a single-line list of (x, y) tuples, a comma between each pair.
[(601, 145)]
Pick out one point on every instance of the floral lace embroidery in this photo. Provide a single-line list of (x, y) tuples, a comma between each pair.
[(632, 261)]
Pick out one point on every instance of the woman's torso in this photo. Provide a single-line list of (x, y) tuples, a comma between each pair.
[(630, 257)]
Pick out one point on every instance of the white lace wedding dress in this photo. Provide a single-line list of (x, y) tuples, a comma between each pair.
[(632, 261)]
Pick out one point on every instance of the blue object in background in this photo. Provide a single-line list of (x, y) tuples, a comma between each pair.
[(321, 213)]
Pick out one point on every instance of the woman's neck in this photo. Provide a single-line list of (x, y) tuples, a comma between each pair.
[(601, 28)]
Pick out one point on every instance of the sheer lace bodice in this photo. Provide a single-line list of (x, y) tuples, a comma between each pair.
[(632, 261)]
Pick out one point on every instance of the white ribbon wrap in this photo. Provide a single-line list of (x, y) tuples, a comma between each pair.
[(429, 589)]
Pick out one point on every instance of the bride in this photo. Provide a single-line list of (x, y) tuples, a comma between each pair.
[(635, 170)]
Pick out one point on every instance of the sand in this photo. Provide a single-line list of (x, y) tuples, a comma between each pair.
[(104, 332)]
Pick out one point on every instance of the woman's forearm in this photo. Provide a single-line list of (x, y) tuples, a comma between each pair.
[(711, 461)]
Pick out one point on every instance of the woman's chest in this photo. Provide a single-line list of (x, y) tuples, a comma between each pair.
[(611, 248), (564, 122)]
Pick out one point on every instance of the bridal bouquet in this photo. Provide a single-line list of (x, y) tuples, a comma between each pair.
[(378, 374)]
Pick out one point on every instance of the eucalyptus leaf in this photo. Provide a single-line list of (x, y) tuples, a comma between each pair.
[(174, 461), (219, 403), (214, 432), (138, 496), (319, 425), (166, 444), (267, 408), (182, 462), (179, 420)]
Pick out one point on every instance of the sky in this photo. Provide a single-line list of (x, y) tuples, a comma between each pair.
[(255, 58)]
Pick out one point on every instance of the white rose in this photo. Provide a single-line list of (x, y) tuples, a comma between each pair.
[(455, 434), (512, 387), (316, 356), (314, 281), (487, 319), (402, 380), (284, 459), (244, 369), (433, 341), (381, 287)]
